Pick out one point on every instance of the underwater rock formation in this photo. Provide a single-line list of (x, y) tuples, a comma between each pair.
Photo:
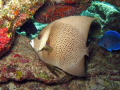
[(66, 1), (107, 13), (103, 68), (50, 12), (13, 13), (103, 72), (5, 40), (113, 2), (22, 63)]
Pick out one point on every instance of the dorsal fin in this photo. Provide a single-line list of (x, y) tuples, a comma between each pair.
[(114, 33), (82, 23)]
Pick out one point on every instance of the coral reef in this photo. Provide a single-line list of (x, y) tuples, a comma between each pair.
[(22, 62), (107, 13), (5, 40), (50, 12), (113, 2), (13, 13), (56, 9), (103, 72)]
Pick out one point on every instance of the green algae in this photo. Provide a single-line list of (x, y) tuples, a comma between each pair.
[(43, 76), (19, 74), (106, 12), (39, 27)]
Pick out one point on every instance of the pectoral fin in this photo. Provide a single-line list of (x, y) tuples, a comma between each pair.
[(47, 48)]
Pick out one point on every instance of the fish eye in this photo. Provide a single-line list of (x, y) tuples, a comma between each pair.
[(39, 36)]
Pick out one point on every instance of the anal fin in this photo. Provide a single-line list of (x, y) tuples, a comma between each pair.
[(52, 69)]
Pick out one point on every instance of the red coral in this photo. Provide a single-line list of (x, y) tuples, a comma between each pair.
[(3, 38), (69, 1), (17, 55), (16, 12), (20, 20), (54, 12), (49, 13)]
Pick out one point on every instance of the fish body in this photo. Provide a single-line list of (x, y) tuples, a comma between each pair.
[(110, 41), (63, 44)]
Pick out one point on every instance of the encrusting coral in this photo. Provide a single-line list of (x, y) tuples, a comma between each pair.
[(13, 13), (102, 68), (107, 13), (22, 63), (59, 9)]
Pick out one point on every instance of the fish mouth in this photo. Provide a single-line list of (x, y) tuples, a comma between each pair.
[(32, 43)]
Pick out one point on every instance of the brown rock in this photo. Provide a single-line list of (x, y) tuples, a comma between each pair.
[(50, 12), (102, 72), (21, 62), (13, 13)]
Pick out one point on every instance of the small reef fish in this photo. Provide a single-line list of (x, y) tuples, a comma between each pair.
[(28, 27), (63, 44), (110, 40)]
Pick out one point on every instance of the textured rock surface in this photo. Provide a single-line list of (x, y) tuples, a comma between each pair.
[(13, 13), (103, 69), (108, 14), (52, 11), (21, 62), (55, 9), (103, 72), (103, 62), (114, 2)]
